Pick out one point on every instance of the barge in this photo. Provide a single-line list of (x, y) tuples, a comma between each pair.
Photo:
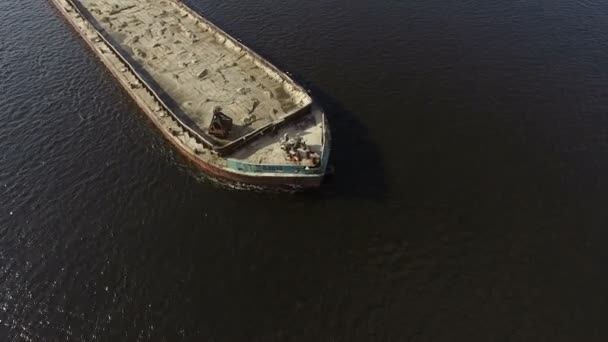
[(230, 111)]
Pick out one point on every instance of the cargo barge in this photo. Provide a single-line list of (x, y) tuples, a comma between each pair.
[(231, 112)]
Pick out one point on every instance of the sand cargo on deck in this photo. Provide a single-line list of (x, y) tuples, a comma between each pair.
[(233, 113)]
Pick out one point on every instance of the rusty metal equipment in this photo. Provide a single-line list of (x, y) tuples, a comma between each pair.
[(221, 124)]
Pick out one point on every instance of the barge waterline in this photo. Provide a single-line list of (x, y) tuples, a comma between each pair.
[(176, 66)]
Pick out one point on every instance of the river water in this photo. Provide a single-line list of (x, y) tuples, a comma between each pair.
[(469, 200)]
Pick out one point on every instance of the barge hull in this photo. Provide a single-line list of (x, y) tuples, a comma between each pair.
[(150, 103)]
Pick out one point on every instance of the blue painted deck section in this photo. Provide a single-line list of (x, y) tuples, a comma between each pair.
[(284, 169)]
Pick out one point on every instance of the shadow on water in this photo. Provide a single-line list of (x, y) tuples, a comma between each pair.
[(359, 169)]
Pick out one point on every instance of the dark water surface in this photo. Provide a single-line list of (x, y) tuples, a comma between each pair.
[(471, 150)]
